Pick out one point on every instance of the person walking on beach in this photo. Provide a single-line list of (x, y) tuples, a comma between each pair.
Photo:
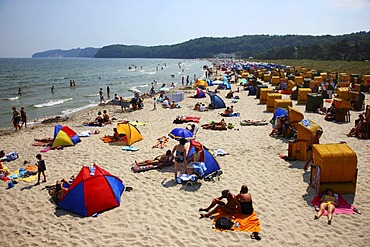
[(23, 117), (16, 118), (101, 95), (187, 80), (41, 168), (154, 104)]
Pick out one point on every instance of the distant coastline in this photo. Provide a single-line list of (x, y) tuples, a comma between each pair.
[(347, 47)]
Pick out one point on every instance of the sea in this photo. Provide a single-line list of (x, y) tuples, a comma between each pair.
[(124, 76)]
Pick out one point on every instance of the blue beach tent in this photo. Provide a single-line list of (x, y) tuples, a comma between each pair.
[(209, 160), (216, 101)]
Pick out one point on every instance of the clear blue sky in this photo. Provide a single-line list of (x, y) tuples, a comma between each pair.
[(29, 26)]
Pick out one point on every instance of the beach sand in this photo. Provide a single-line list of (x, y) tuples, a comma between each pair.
[(159, 212)]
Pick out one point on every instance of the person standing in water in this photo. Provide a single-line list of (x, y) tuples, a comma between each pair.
[(52, 89), (108, 91)]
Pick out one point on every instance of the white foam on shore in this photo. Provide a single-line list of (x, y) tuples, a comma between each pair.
[(53, 102), (14, 98), (74, 110), (92, 95)]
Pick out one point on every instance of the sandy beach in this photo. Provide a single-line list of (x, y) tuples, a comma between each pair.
[(159, 212)]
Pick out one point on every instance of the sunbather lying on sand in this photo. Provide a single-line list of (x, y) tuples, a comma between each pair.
[(161, 142), (216, 125), (253, 122), (161, 160)]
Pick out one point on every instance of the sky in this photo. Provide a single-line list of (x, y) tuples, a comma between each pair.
[(30, 26)]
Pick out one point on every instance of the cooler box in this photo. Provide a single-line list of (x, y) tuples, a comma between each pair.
[(314, 101), (335, 167), (302, 95), (275, 80), (263, 94), (271, 101), (259, 87), (282, 103), (343, 93)]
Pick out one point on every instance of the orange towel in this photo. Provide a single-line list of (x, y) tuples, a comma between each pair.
[(247, 223)]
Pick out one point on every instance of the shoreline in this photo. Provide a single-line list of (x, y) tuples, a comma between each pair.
[(160, 212)]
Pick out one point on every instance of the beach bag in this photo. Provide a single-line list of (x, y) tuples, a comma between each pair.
[(224, 223)]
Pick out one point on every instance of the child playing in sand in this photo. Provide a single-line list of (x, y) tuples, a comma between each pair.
[(41, 168)]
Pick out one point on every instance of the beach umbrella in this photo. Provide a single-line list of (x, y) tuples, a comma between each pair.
[(178, 133), (164, 89)]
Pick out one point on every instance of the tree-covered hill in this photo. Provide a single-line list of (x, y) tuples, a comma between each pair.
[(354, 46)]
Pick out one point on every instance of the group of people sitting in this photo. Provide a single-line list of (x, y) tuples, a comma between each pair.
[(166, 103), (241, 202), (100, 120), (200, 107)]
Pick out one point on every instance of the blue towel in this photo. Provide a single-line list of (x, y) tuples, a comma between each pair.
[(306, 122)]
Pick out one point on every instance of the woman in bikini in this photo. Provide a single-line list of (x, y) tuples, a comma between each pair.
[(179, 155), (328, 202)]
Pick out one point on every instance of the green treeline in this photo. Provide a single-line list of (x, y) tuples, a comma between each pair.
[(355, 46)]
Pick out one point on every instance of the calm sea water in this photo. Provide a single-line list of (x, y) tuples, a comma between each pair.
[(36, 77)]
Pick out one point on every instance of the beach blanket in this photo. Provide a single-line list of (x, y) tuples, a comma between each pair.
[(27, 174), (247, 223), (343, 208), (110, 140), (186, 119)]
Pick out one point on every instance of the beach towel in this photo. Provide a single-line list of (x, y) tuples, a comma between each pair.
[(219, 152), (27, 174), (246, 223), (343, 208), (186, 119), (110, 140)]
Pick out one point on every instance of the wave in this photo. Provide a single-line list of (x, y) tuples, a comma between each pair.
[(145, 85), (134, 90), (52, 102), (74, 110), (150, 73), (13, 98), (91, 95)]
